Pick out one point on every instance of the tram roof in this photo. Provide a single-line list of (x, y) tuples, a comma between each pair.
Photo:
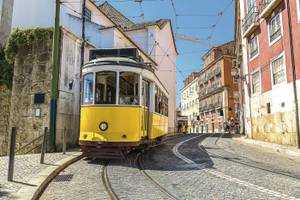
[(118, 61)]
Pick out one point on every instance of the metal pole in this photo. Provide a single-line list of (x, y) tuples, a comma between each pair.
[(44, 145), (64, 142), (82, 59), (12, 154), (294, 72), (54, 81)]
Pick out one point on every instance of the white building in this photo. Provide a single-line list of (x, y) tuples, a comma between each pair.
[(189, 100), (108, 28)]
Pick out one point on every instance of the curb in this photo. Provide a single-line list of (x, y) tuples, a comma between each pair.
[(42, 179), (285, 150)]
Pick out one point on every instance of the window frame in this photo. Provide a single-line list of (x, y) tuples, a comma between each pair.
[(249, 46), (282, 54), (279, 10), (139, 89), (93, 89), (260, 82), (117, 88)]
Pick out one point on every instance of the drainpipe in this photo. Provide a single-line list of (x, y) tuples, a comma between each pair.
[(293, 71), (54, 81)]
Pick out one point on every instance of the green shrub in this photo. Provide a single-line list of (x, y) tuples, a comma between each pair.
[(19, 38)]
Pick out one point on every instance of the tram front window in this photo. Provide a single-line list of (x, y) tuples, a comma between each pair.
[(88, 95), (105, 88), (129, 88)]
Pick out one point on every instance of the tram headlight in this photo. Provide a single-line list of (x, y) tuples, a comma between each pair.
[(103, 126)]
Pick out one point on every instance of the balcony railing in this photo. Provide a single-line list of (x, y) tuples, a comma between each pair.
[(250, 22), (267, 6), (218, 104), (211, 106)]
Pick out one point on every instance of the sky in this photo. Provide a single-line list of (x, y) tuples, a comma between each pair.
[(209, 20)]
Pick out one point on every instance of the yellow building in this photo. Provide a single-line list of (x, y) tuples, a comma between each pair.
[(189, 98)]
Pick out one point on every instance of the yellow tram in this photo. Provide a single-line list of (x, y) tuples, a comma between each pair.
[(124, 105)]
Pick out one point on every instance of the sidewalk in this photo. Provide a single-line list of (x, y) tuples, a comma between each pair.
[(282, 149), (29, 175)]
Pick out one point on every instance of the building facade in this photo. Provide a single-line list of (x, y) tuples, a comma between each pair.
[(189, 98), (218, 91), (6, 7), (106, 27), (271, 65)]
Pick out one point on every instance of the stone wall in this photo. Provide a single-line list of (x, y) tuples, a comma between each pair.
[(5, 95), (32, 75)]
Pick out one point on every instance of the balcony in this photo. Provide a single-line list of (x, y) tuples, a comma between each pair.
[(204, 108), (267, 6), (218, 104), (211, 106), (250, 23)]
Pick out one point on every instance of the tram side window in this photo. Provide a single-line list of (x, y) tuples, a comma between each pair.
[(161, 102), (105, 89), (88, 94), (129, 88)]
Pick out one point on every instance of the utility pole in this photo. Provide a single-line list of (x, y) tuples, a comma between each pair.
[(83, 15), (83, 34), (291, 40), (54, 81)]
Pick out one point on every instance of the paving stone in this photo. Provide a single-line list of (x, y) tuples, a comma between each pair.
[(26, 167)]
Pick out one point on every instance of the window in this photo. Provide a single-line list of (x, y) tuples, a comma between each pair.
[(278, 71), (145, 93), (219, 82), (253, 45), (268, 108), (255, 82), (88, 14), (161, 102), (129, 88), (251, 5), (105, 89), (212, 84), (275, 26), (88, 94)]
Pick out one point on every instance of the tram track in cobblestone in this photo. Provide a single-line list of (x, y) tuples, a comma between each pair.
[(242, 158), (156, 183), (105, 180), (222, 175), (136, 160)]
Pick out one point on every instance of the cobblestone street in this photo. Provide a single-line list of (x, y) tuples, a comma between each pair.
[(26, 167), (189, 167)]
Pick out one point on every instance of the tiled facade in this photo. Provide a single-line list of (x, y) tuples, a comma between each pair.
[(218, 92)]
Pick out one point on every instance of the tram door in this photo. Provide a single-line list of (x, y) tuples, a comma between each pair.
[(146, 103)]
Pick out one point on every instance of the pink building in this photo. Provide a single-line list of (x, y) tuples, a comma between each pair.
[(269, 54)]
